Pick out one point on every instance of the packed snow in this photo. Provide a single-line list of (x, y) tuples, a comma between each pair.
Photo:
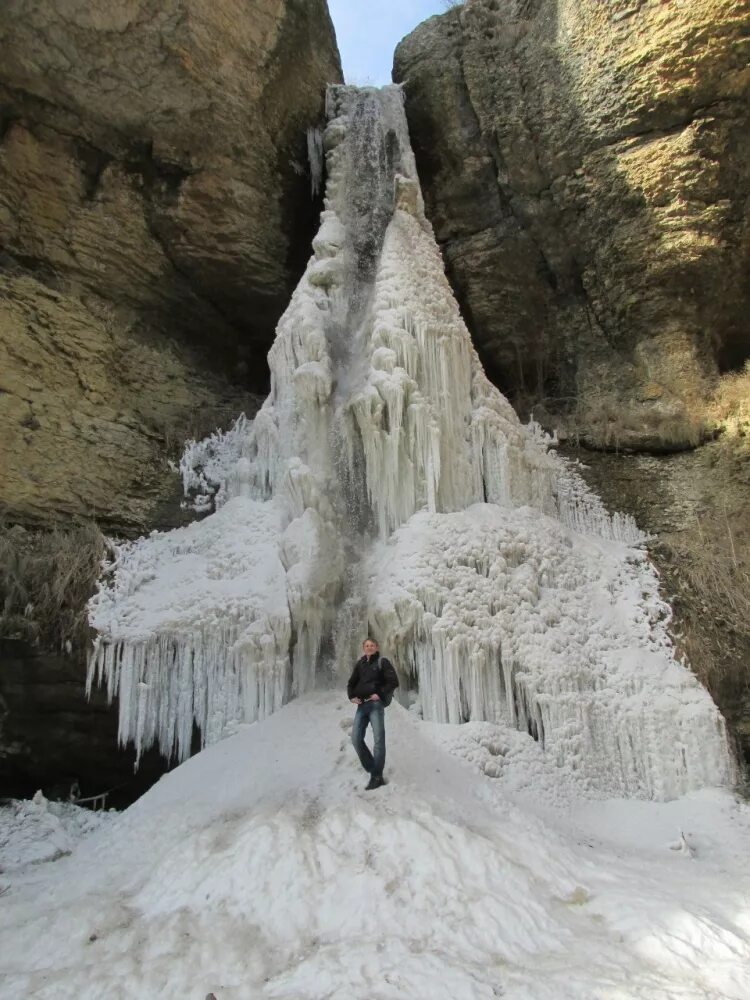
[(385, 484), (261, 869)]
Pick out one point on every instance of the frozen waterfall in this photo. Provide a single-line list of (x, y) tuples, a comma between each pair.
[(386, 484)]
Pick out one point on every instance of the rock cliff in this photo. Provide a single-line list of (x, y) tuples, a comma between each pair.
[(155, 213), (586, 166)]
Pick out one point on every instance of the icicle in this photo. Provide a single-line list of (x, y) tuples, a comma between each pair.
[(499, 618), (315, 159)]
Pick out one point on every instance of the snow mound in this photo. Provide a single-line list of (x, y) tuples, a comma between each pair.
[(261, 869)]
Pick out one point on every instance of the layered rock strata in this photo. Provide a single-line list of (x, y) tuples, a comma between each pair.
[(586, 168), (155, 214), (153, 187)]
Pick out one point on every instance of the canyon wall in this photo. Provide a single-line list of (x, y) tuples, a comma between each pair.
[(155, 213), (587, 170)]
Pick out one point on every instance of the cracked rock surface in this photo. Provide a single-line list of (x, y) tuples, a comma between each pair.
[(586, 166), (155, 212)]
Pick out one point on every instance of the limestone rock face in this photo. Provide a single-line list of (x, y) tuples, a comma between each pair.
[(586, 166), (160, 146), (155, 213), (90, 413)]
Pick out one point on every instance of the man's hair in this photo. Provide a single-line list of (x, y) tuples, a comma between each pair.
[(370, 639)]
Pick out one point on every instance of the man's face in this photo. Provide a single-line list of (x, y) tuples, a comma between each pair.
[(369, 647)]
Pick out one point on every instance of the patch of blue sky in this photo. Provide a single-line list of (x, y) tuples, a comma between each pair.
[(368, 32)]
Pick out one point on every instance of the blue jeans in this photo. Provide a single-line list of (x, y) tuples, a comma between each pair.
[(370, 713)]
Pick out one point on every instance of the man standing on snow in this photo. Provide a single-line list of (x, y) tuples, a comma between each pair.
[(371, 688)]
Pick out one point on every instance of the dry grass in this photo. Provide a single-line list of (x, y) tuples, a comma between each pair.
[(609, 425), (730, 407), (46, 579)]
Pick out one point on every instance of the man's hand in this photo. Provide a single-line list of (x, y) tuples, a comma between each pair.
[(374, 697), (356, 701)]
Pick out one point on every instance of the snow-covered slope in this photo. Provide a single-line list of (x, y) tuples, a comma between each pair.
[(260, 869)]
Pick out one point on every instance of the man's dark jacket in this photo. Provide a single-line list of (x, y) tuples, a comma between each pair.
[(373, 675)]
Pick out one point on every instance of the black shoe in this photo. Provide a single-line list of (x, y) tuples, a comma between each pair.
[(376, 781)]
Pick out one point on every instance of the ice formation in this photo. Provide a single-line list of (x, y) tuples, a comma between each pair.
[(386, 482), (315, 158)]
